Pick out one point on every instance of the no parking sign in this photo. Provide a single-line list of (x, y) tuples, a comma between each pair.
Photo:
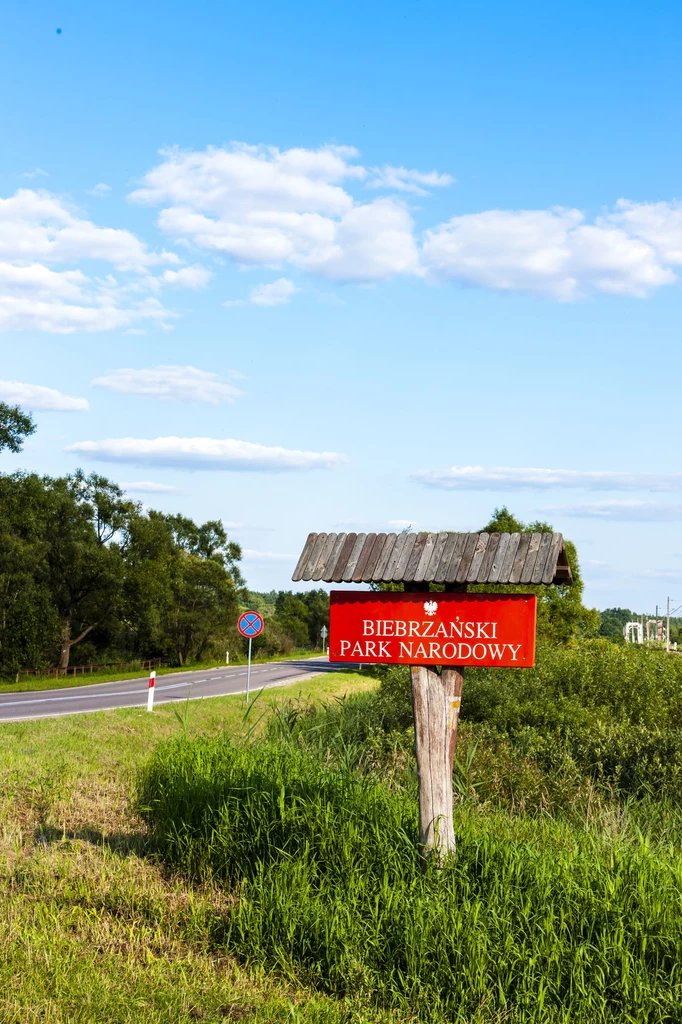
[(250, 624)]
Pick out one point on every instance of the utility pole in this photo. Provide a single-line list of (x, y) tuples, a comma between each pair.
[(667, 628)]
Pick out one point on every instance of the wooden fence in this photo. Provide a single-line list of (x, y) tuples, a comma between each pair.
[(81, 670)]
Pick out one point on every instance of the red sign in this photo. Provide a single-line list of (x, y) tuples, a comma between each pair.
[(433, 629)]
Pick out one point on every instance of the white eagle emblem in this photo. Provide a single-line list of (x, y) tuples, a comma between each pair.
[(430, 607)]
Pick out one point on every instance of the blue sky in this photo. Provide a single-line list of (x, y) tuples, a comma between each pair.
[(324, 268)]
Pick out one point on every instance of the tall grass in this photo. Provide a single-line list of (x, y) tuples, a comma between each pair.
[(538, 920)]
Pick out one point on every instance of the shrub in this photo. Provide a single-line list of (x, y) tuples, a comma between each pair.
[(536, 921), (592, 710)]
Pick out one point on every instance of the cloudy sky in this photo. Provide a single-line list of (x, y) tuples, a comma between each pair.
[(310, 268)]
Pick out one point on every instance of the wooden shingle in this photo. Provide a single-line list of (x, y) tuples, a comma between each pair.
[(448, 557)]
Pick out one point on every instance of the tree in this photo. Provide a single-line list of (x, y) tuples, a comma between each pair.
[(561, 613), (85, 562), (148, 597), (81, 564), (293, 616), (208, 541), (613, 621), (317, 603), (182, 585), (15, 427), (29, 625), (204, 605)]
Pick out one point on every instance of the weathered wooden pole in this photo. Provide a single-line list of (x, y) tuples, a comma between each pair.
[(436, 701)]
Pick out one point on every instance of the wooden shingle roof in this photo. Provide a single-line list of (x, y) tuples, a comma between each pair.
[(434, 558)]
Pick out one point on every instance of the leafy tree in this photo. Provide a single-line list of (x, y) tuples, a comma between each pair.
[(85, 563), (84, 568), (15, 427), (317, 603), (302, 615), (182, 586), (29, 624), (613, 621), (208, 541), (204, 605), (292, 615), (147, 597), (561, 613)]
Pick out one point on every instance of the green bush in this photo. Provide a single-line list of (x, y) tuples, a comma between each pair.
[(591, 710), (536, 921)]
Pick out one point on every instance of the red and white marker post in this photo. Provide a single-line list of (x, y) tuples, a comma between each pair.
[(150, 691)]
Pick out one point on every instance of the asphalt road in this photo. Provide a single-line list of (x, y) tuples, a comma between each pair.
[(132, 693)]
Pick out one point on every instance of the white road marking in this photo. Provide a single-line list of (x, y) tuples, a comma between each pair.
[(93, 696), (86, 692)]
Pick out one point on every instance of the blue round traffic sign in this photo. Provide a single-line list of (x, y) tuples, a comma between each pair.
[(250, 624)]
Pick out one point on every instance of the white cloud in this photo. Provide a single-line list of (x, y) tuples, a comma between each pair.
[(242, 179), (621, 510), (308, 209), (552, 253), (400, 179), (278, 293), (170, 383), (40, 226), (250, 555), (34, 296), (38, 172), (478, 478), (195, 277), (372, 242), (39, 232), (148, 487), (100, 190), (658, 224), (35, 397), (401, 524), (268, 207), (205, 453)]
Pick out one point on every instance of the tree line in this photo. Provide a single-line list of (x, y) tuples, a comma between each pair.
[(86, 572), (89, 576)]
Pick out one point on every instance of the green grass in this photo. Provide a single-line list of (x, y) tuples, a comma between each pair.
[(272, 870), (564, 901), (28, 684), (537, 920), (94, 928)]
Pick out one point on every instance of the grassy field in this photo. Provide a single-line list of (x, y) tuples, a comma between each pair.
[(195, 864), (564, 903), (28, 684), (95, 928)]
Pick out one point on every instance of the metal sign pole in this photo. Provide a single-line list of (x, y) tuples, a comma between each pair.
[(250, 624)]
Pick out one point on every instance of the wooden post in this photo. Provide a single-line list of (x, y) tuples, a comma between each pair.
[(436, 701)]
